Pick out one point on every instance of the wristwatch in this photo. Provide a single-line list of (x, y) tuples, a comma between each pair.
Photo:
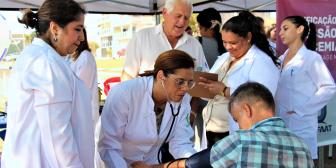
[(222, 93)]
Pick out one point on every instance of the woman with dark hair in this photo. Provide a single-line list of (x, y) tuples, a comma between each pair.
[(84, 66), (49, 114), (149, 111), (305, 84), (209, 22), (249, 58)]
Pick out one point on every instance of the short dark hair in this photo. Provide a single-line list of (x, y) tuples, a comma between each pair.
[(169, 61), (253, 92), (61, 12)]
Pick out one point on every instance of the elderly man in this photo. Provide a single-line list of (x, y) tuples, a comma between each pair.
[(262, 141), (147, 44)]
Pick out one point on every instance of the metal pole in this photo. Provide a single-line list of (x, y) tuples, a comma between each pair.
[(321, 157)]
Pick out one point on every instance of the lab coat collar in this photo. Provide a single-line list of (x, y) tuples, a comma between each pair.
[(182, 40), (51, 51), (298, 56), (248, 57)]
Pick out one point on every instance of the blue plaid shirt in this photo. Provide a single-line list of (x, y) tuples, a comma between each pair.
[(267, 144)]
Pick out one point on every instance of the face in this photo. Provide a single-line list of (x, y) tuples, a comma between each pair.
[(273, 34), (69, 37), (289, 33), (176, 85), (177, 20), (202, 30), (240, 116), (237, 46)]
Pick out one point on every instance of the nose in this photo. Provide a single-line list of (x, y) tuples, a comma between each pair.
[(81, 36), (227, 46)]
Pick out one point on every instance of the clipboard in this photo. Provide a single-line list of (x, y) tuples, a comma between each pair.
[(200, 91)]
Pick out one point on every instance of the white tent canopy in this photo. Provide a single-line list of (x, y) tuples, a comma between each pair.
[(148, 6)]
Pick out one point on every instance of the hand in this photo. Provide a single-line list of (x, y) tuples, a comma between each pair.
[(290, 112), (140, 164), (214, 87)]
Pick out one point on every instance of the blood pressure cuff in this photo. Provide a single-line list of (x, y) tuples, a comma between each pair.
[(199, 160)]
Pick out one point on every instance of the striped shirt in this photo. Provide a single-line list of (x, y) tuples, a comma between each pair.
[(267, 144)]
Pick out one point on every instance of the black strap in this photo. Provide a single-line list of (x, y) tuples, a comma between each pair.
[(171, 127), (200, 39)]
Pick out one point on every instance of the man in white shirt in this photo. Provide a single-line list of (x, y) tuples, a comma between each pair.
[(148, 43)]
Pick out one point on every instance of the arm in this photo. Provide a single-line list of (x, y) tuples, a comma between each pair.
[(132, 60), (86, 68), (321, 77), (53, 104), (113, 123)]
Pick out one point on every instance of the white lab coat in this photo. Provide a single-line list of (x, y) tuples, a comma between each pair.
[(129, 131), (255, 66), (305, 86), (47, 124), (86, 69)]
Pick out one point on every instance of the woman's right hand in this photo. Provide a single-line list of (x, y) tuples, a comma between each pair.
[(214, 87)]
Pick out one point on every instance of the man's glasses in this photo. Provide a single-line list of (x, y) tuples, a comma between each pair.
[(180, 82)]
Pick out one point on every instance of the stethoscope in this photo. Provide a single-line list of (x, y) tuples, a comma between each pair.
[(171, 126)]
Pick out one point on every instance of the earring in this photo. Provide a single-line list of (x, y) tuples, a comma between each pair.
[(55, 38)]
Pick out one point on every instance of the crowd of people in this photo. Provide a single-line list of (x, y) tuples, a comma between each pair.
[(264, 112)]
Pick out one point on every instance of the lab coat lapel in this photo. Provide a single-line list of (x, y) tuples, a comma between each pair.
[(249, 57)]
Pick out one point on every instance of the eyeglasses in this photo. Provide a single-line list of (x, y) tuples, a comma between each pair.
[(180, 82)]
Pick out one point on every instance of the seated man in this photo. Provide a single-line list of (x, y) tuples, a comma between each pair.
[(262, 141)]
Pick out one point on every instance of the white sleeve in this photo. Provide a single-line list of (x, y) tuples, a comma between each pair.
[(180, 145), (132, 57), (86, 68), (265, 73), (324, 82), (201, 60), (113, 123), (53, 104)]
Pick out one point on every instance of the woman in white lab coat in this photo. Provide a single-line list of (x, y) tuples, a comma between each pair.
[(48, 116), (138, 114), (305, 84), (249, 58), (84, 66)]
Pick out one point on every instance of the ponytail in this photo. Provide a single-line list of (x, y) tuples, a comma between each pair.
[(311, 40), (29, 19)]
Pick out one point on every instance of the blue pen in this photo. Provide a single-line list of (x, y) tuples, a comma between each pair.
[(292, 70)]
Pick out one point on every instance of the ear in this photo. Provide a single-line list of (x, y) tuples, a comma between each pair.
[(249, 37), (300, 29), (53, 28), (247, 110), (160, 75), (164, 12)]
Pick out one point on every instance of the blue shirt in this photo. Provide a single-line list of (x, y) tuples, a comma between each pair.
[(267, 144)]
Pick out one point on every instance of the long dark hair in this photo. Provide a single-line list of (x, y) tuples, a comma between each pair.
[(169, 61), (205, 17), (84, 45), (308, 30), (246, 22), (61, 12)]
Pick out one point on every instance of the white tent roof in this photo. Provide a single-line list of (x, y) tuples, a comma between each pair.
[(148, 6)]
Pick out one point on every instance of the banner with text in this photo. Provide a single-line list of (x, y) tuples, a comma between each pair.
[(323, 14)]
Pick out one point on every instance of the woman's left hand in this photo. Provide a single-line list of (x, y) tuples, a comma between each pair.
[(214, 87)]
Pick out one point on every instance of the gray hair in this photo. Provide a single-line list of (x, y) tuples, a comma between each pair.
[(252, 92), (169, 4)]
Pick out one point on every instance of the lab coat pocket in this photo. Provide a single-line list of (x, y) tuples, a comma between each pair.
[(297, 123)]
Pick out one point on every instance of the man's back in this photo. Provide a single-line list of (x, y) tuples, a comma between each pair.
[(267, 144)]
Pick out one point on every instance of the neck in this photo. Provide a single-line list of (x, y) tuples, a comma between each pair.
[(294, 47), (171, 39), (158, 94)]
